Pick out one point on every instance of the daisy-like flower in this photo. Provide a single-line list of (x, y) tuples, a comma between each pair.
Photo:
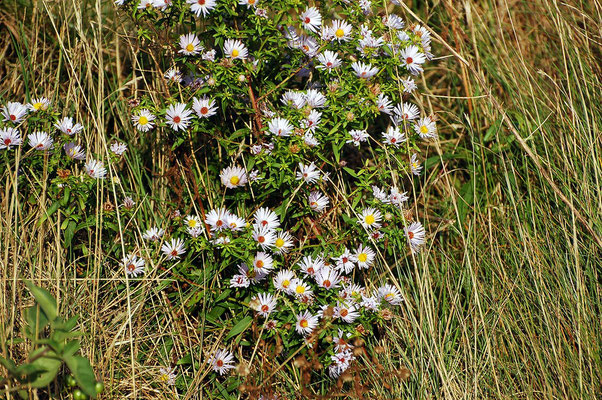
[(266, 217), (393, 136), (190, 45), (390, 294), (426, 128), (306, 323), (350, 292), (415, 166), (178, 116), (264, 236), (312, 121), (358, 136), (9, 137), (416, 235), (280, 127), (380, 194), (40, 141), (240, 280), (266, 304), (347, 313), (370, 218), (413, 59), (233, 177), (340, 30), (315, 99), (327, 278), (310, 266), (95, 169), (248, 3), (308, 45), (14, 112), (133, 265), (234, 49), (173, 75), (143, 121), (173, 249), (119, 148), (38, 104), (128, 203), (234, 222), (217, 219), (341, 341), (153, 234), (300, 288), (309, 173), (263, 263), (283, 280), (283, 242), (311, 19), (67, 126), (393, 21), (192, 221), (364, 71), (405, 112), (409, 85), (74, 151), (199, 7), (397, 198), (340, 362), (167, 376), (364, 256), (254, 276), (317, 201), (384, 104), (293, 98), (344, 262), (370, 303), (222, 361), (204, 107), (145, 4)]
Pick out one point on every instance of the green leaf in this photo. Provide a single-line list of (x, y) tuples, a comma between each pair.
[(240, 327), (8, 364), (36, 320), (44, 299), (84, 374), (50, 366), (70, 232)]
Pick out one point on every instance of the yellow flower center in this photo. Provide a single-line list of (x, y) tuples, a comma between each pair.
[(192, 223), (370, 219), (388, 295), (362, 257), (235, 53), (424, 129), (190, 47), (300, 289), (37, 106), (143, 120), (286, 283), (303, 323), (164, 378), (339, 33), (279, 242), (259, 264), (234, 180)]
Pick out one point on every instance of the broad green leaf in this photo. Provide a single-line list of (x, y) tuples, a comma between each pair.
[(240, 327), (50, 366), (84, 374), (44, 299)]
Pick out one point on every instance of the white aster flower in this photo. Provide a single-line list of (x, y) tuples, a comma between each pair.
[(204, 107), (173, 249), (40, 141), (280, 127), (415, 166), (413, 59), (306, 323), (370, 218), (14, 112), (390, 294), (199, 7), (340, 30), (167, 376), (133, 265), (426, 128), (364, 257), (266, 217), (309, 173), (315, 99), (190, 45), (344, 262), (264, 236), (364, 71), (217, 219), (317, 201), (119, 148), (235, 49), (95, 169), (283, 242), (74, 151), (416, 236), (67, 126), (327, 278), (358, 136), (311, 19), (38, 104), (222, 361), (178, 116), (233, 177), (143, 121), (9, 137), (393, 136), (266, 304), (405, 112), (263, 263), (153, 234)]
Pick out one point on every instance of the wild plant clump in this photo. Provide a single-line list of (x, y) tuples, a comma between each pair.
[(303, 125), (301, 120)]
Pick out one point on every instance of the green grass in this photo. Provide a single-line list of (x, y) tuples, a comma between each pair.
[(506, 301)]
